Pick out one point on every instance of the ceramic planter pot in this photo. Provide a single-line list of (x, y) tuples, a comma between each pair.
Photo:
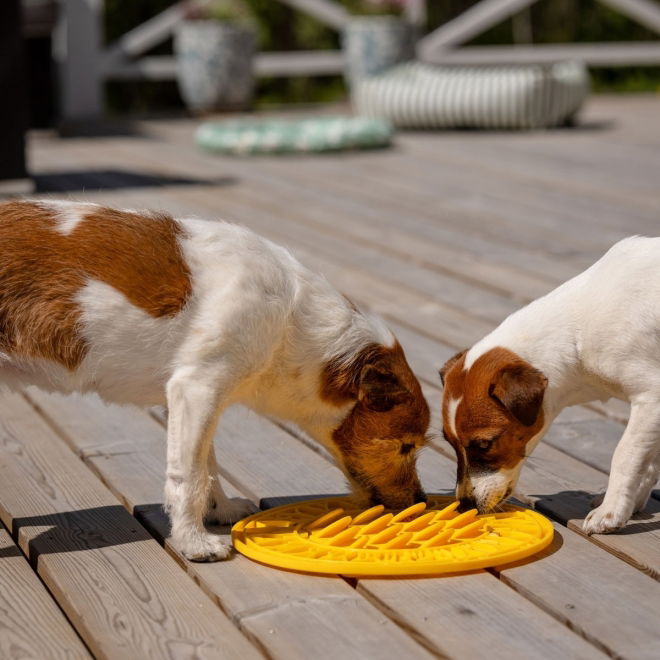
[(214, 64), (373, 44)]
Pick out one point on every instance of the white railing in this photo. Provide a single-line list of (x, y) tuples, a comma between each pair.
[(85, 63), (442, 45)]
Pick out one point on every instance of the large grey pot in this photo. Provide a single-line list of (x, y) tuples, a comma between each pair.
[(373, 44), (214, 64)]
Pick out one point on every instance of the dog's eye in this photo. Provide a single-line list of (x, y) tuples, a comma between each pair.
[(484, 445), (407, 447)]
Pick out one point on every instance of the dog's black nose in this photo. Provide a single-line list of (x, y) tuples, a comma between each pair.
[(466, 503), (420, 496)]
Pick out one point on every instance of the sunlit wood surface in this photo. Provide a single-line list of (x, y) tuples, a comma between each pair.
[(444, 235)]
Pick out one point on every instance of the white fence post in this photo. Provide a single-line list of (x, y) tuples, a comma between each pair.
[(415, 12), (77, 50)]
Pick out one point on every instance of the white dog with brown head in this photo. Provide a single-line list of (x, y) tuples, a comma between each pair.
[(595, 337), (146, 309)]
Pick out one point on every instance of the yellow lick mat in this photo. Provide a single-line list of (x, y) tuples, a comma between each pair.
[(331, 535)]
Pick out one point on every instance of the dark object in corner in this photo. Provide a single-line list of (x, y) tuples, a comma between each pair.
[(14, 107)]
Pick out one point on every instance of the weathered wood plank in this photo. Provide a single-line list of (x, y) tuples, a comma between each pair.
[(439, 287), (619, 196), (564, 205), (474, 622), (120, 590), (289, 615), (320, 199), (446, 211), (351, 199), (31, 623), (600, 602)]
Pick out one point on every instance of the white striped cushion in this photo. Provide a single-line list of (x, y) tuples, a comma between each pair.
[(416, 95)]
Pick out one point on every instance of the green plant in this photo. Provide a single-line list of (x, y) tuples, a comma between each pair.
[(375, 7), (234, 11)]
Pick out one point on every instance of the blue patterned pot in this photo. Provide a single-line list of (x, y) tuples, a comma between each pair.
[(372, 44), (214, 64)]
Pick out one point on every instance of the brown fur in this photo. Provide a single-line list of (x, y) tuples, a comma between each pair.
[(41, 270), (379, 437), (502, 397)]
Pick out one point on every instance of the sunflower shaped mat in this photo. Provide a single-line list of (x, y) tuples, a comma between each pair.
[(331, 535)]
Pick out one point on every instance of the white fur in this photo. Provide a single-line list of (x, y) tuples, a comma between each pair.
[(257, 329), (70, 214), (597, 336), (488, 488), (452, 407)]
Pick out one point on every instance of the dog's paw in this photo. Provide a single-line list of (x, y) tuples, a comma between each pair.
[(602, 520), (204, 547), (228, 511)]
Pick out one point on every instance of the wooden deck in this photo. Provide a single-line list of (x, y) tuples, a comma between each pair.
[(444, 235)]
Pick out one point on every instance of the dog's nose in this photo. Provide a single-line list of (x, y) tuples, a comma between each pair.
[(466, 503)]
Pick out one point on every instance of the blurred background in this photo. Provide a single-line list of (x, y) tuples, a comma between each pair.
[(285, 27), (69, 62)]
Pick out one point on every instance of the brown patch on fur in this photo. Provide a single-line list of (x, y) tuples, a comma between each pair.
[(379, 437), (41, 270), (450, 363), (501, 401)]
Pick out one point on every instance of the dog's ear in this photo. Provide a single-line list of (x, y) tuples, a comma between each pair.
[(379, 389), (520, 388), (449, 364)]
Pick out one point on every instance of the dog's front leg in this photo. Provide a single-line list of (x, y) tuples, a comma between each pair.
[(632, 459), (194, 400), (220, 509), (648, 482)]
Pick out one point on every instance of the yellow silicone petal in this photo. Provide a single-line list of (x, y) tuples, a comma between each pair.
[(368, 515), (410, 511), (335, 527), (324, 520)]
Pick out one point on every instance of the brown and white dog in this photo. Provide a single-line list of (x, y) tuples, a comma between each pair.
[(597, 336), (196, 315)]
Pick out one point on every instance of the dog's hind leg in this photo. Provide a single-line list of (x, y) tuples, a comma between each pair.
[(629, 481)]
